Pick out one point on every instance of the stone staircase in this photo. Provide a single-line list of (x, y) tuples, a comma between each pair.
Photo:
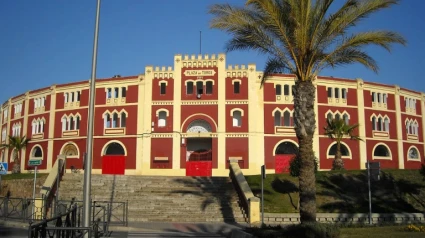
[(161, 199)]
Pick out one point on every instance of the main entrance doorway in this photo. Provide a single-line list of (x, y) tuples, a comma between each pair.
[(198, 150), (113, 160), (284, 153)]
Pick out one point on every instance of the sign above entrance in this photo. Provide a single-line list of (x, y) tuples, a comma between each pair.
[(199, 73)]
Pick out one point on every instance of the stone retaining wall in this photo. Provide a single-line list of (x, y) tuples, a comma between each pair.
[(294, 218), (21, 188)]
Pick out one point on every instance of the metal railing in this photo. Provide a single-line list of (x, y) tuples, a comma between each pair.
[(25, 209), (64, 225)]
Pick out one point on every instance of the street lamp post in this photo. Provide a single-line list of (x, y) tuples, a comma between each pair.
[(89, 157)]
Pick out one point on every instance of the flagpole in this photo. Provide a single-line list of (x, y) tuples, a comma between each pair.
[(90, 121)]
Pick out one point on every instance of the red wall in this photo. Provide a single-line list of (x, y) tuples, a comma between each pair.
[(237, 147), (162, 147), (269, 92), (156, 90), (352, 97), (243, 89)]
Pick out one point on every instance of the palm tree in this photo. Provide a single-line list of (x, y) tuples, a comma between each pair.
[(16, 144), (303, 37), (337, 129)]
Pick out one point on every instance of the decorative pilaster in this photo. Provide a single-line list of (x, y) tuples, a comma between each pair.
[(399, 128), (362, 121)]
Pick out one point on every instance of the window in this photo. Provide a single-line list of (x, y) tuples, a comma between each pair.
[(116, 90), (162, 119), (3, 135), (373, 123), (336, 92), (163, 88), (329, 92), (277, 118), (387, 124), (329, 116), (38, 126), (108, 121), (412, 127), (344, 93), (16, 129), (237, 119), (286, 118), (189, 87), (286, 90), (78, 96), (39, 102), (123, 119), (71, 123), (236, 87), (333, 149), (373, 97), (18, 108), (115, 120), (380, 123), (109, 93), (123, 92), (36, 153), (381, 151), (199, 88), (410, 104), (278, 89), (346, 119), (413, 153), (5, 115), (337, 116), (209, 87)]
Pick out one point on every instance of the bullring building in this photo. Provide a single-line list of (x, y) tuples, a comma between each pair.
[(191, 118)]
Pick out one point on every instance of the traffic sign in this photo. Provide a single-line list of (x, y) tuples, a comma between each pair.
[(3, 168), (34, 162)]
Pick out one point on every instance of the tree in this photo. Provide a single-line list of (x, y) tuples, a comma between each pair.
[(16, 144), (302, 37), (337, 129)]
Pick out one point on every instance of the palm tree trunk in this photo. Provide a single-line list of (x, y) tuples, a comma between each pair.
[(338, 163), (305, 124), (17, 164)]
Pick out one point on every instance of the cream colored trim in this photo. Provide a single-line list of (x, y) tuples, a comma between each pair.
[(346, 146), (103, 151), (32, 149), (281, 141), (419, 154), (160, 110), (200, 114), (71, 143), (163, 81), (236, 109), (382, 157), (236, 80)]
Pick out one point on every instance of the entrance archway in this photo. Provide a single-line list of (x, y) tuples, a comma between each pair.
[(198, 149), (113, 158), (284, 153)]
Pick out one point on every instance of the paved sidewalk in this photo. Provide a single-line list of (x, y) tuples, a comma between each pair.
[(157, 229)]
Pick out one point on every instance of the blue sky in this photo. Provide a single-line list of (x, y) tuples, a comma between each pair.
[(50, 42)]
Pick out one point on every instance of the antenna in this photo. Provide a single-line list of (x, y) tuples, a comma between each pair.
[(200, 42)]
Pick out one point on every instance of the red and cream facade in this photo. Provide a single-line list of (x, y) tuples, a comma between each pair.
[(155, 121)]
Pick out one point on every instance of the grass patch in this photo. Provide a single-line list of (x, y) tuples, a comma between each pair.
[(346, 192), (379, 232), (22, 176)]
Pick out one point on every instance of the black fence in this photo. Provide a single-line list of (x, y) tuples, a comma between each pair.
[(104, 213), (64, 225)]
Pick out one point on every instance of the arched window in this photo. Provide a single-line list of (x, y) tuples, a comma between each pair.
[(115, 120), (70, 151), (77, 123), (114, 149), (387, 124), (107, 121), (379, 124), (277, 118), (63, 124), (381, 151), (346, 119), (329, 116), (278, 89), (209, 87), (408, 127), (189, 87), (237, 119), (162, 119), (374, 123), (287, 118), (37, 153), (71, 123), (333, 149), (286, 148), (123, 119), (413, 154), (337, 116)]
